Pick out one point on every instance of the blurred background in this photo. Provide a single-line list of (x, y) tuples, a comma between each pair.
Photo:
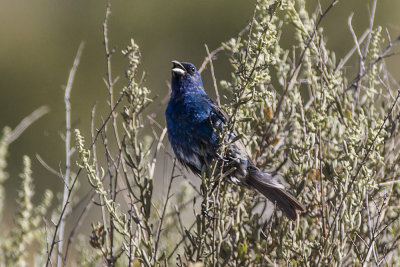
[(39, 40)]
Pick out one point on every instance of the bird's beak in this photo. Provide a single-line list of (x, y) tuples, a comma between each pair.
[(178, 69)]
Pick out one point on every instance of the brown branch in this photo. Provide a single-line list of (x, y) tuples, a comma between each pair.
[(212, 55)]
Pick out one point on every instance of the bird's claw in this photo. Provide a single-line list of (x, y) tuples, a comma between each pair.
[(221, 158), (216, 183), (204, 210)]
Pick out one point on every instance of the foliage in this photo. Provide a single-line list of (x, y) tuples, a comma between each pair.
[(28, 228)]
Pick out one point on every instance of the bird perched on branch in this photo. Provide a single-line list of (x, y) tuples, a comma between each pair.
[(194, 122)]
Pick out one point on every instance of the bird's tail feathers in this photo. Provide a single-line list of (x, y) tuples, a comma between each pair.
[(275, 192)]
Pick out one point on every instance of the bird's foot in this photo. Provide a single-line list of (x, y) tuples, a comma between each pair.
[(204, 209), (221, 158), (216, 183)]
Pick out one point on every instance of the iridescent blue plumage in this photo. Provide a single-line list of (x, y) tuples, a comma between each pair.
[(191, 117), (193, 120)]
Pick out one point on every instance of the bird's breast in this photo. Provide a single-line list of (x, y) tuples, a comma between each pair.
[(189, 133)]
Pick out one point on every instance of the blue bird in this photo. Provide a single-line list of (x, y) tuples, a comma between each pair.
[(194, 122)]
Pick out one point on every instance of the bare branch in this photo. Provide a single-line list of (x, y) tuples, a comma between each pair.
[(26, 122), (60, 225), (213, 75), (159, 229), (47, 167), (67, 148), (381, 56), (350, 53)]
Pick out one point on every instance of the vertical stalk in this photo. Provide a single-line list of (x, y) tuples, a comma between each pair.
[(67, 150)]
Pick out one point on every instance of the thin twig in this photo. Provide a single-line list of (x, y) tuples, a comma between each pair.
[(67, 148), (214, 53), (383, 55), (109, 116), (213, 75), (381, 216), (47, 167), (211, 55), (159, 229), (156, 151), (26, 122), (110, 84), (350, 53), (361, 59), (321, 183), (94, 152), (354, 36), (46, 235), (77, 225), (54, 242), (181, 241)]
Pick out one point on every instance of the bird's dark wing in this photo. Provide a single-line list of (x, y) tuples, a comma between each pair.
[(217, 112), (206, 137)]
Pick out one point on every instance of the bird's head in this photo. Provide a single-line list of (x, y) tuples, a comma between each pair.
[(185, 78)]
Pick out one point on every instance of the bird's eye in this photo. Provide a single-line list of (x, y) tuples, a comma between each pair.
[(192, 69)]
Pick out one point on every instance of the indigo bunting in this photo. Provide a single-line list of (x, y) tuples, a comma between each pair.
[(194, 122)]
